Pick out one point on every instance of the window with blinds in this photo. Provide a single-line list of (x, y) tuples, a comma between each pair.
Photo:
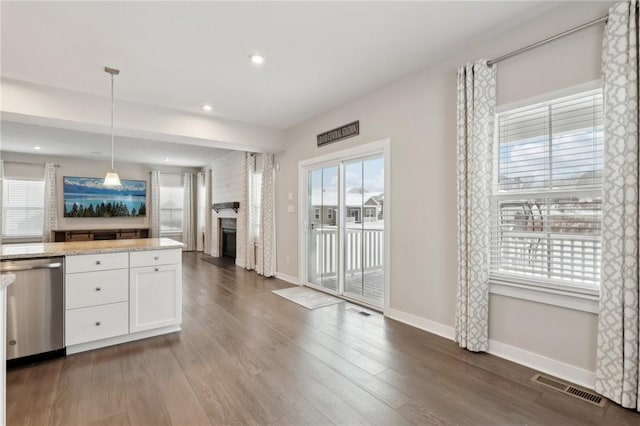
[(547, 202), (22, 208), (171, 207)]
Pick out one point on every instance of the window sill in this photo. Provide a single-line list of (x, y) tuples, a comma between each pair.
[(578, 299)]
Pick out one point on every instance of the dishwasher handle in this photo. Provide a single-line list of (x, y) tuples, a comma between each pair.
[(16, 268)]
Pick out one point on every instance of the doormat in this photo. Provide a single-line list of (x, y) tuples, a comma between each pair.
[(219, 261), (310, 299)]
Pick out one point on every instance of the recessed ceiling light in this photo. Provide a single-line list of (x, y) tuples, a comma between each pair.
[(256, 58), (37, 148), (207, 107), (166, 159)]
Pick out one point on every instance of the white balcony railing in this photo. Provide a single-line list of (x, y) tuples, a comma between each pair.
[(364, 251)]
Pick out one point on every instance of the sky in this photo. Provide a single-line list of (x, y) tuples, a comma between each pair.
[(367, 174)]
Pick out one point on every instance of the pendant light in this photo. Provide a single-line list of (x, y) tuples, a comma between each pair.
[(112, 179)]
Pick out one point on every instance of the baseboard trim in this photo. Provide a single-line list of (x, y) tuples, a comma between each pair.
[(433, 327), (577, 375), (288, 278), (520, 356), (82, 347)]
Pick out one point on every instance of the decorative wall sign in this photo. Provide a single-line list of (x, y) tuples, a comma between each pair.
[(339, 133)]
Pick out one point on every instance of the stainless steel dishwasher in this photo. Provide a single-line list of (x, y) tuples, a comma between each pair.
[(35, 307)]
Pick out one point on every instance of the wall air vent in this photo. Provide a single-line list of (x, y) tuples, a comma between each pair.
[(585, 395)]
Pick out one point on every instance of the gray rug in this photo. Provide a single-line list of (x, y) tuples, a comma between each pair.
[(310, 299)]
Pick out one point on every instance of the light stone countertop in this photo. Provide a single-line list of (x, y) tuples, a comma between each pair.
[(5, 280), (26, 251)]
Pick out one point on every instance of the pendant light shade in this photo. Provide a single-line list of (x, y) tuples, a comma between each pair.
[(112, 179)]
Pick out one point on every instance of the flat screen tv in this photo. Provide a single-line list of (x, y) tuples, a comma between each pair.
[(88, 197)]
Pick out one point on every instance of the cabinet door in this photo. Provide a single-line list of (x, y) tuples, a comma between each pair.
[(155, 297)]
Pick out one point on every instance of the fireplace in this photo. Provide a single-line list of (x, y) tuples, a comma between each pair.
[(227, 234)]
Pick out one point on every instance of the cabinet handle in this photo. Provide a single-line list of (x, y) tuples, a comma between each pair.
[(156, 258), (97, 323), (156, 269), (98, 262), (98, 288)]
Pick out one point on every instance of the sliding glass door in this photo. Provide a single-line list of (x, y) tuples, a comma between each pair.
[(322, 224), (345, 228), (364, 229)]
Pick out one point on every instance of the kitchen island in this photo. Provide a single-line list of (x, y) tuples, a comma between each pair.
[(115, 291), (5, 281)]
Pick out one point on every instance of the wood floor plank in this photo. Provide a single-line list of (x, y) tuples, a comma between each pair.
[(179, 398), (35, 404), (75, 377), (107, 382), (246, 356), (143, 399), (118, 419)]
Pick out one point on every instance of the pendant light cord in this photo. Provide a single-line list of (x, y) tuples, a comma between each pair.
[(112, 168)]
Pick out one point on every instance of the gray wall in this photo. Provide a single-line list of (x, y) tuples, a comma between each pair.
[(418, 114)]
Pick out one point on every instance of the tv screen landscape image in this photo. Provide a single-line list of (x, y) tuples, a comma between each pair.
[(88, 197)]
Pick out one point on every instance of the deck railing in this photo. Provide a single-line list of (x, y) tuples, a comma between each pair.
[(364, 251)]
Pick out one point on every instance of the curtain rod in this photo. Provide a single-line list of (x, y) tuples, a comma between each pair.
[(30, 163), (548, 40)]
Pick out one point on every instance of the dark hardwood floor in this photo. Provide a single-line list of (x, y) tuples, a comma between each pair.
[(246, 356)]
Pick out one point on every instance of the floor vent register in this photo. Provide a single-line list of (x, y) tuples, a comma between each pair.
[(585, 395)]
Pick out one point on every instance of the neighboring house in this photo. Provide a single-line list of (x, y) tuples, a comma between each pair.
[(324, 207)]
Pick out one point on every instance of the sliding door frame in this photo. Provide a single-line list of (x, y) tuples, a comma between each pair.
[(381, 147)]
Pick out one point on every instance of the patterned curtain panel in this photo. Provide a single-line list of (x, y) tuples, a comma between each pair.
[(201, 211), (50, 213), (266, 240), (1, 199), (188, 228), (476, 110), (154, 211), (208, 219), (617, 374), (245, 242)]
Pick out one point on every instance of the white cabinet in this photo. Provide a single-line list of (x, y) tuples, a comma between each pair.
[(96, 323), (96, 297), (155, 257), (97, 288), (117, 297), (155, 292), (96, 262)]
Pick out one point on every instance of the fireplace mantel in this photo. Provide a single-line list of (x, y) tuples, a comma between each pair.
[(234, 205)]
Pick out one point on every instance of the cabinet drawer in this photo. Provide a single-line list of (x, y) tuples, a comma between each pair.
[(155, 257), (96, 323), (97, 262), (96, 288)]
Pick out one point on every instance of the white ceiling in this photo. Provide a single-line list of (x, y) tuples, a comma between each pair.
[(181, 55), (18, 137)]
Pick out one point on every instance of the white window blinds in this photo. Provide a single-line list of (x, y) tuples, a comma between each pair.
[(171, 203), (22, 207), (548, 191)]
